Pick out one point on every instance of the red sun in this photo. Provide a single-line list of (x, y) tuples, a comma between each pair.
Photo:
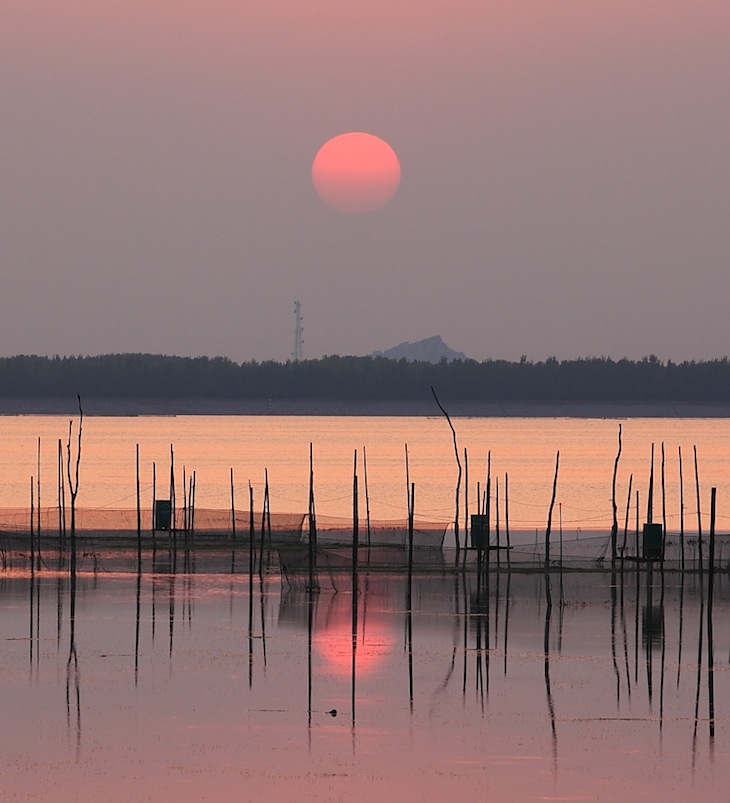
[(356, 172)]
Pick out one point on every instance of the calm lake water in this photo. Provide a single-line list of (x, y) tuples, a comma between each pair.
[(198, 687), (524, 449), (208, 685)]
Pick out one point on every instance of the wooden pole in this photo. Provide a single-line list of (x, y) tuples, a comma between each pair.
[(312, 526), (710, 637), (268, 513), (38, 486), (408, 483), (263, 533), (550, 513), (711, 566), (560, 534), (185, 501), (496, 518), (367, 492), (61, 498), (193, 489), (488, 511), (233, 509), (32, 526), (636, 539), (154, 507), (139, 514), (650, 497), (614, 525), (172, 487), (626, 520), (355, 518), (681, 510), (699, 515), (411, 505), (251, 542), (466, 498), (664, 509), (506, 516)]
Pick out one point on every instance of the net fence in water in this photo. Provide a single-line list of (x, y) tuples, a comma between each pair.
[(383, 544), (278, 528)]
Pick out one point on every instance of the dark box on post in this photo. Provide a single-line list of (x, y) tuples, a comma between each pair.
[(652, 542)]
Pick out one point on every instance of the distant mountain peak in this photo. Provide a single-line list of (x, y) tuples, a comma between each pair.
[(431, 349)]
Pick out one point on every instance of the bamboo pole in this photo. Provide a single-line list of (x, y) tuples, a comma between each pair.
[(185, 501), (711, 566), (233, 509), (681, 510), (650, 496), (38, 487), (32, 526), (194, 488), (312, 526), (488, 511), (173, 501), (263, 527), (154, 508), (550, 513), (699, 515), (268, 512), (251, 542), (664, 509), (61, 499), (506, 517), (355, 518), (710, 639), (496, 518), (408, 482), (412, 505), (614, 525), (139, 513), (466, 498), (626, 521), (367, 492)]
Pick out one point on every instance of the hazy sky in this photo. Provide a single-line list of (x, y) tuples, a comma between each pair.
[(565, 189)]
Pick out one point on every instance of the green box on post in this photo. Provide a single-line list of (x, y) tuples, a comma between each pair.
[(652, 542), (163, 514), (479, 532)]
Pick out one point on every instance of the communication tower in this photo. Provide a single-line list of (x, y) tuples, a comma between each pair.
[(298, 353)]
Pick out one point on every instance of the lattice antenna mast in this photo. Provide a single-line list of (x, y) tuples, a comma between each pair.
[(298, 353)]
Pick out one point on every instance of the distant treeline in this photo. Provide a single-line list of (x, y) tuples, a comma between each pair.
[(126, 376)]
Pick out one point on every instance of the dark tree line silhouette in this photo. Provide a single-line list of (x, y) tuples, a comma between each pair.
[(153, 376)]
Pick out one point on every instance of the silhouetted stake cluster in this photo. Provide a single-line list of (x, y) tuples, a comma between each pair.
[(69, 474)]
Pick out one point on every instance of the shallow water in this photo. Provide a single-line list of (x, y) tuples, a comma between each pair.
[(206, 686), (524, 449)]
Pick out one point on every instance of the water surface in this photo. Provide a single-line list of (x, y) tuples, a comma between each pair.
[(210, 686)]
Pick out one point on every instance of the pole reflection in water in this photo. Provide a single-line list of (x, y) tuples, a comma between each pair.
[(73, 681), (138, 621), (614, 657), (548, 688), (385, 667)]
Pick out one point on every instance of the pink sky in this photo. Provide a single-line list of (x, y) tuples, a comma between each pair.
[(565, 186)]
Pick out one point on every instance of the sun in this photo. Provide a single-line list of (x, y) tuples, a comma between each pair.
[(356, 172)]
